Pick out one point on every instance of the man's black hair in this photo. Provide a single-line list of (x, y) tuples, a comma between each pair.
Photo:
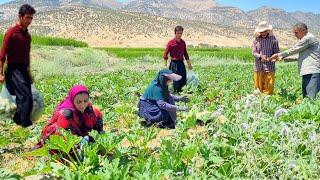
[(178, 28), (26, 9)]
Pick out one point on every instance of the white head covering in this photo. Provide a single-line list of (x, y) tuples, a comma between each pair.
[(262, 26), (173, 77)]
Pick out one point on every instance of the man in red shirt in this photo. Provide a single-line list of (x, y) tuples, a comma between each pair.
[(16, 53), (178, 52)]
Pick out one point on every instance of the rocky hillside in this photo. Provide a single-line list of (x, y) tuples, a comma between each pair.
[(202, 10), (9, 9), (213, 12), (150, 23), (282, 19), (107, 27)]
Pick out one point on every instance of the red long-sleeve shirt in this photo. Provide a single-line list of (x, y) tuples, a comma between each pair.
[(16, 46), (177, 50), (77, 123)]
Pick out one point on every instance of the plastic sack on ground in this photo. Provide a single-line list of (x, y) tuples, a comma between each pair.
[(38, 104), (192, 78), (8, 103)]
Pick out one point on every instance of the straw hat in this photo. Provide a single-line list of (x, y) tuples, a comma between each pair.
[(262, 26)]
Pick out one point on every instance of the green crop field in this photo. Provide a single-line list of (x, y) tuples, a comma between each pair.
[(243, 54), (53, 41), (231, 132)]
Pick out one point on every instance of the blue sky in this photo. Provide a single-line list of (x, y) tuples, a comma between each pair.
[(288, 5)]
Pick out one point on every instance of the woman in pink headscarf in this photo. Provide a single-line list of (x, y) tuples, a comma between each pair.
[(74, 113)]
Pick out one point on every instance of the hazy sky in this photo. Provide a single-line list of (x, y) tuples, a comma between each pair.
[(288, 5)]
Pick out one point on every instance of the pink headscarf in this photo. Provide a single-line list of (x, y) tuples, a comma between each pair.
[(67, 103)]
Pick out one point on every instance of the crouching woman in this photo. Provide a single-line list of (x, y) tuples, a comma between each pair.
[(157, 105), (76, 114)]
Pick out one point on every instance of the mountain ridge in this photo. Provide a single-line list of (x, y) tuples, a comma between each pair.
[(118, 26)]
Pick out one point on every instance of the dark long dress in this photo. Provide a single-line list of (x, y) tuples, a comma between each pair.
[(159, 112)]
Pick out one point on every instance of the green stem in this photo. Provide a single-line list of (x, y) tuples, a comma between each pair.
[(75, 153)]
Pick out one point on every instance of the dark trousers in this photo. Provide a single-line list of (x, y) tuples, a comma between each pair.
[(179, 68), (18, 83), (311, 85)]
